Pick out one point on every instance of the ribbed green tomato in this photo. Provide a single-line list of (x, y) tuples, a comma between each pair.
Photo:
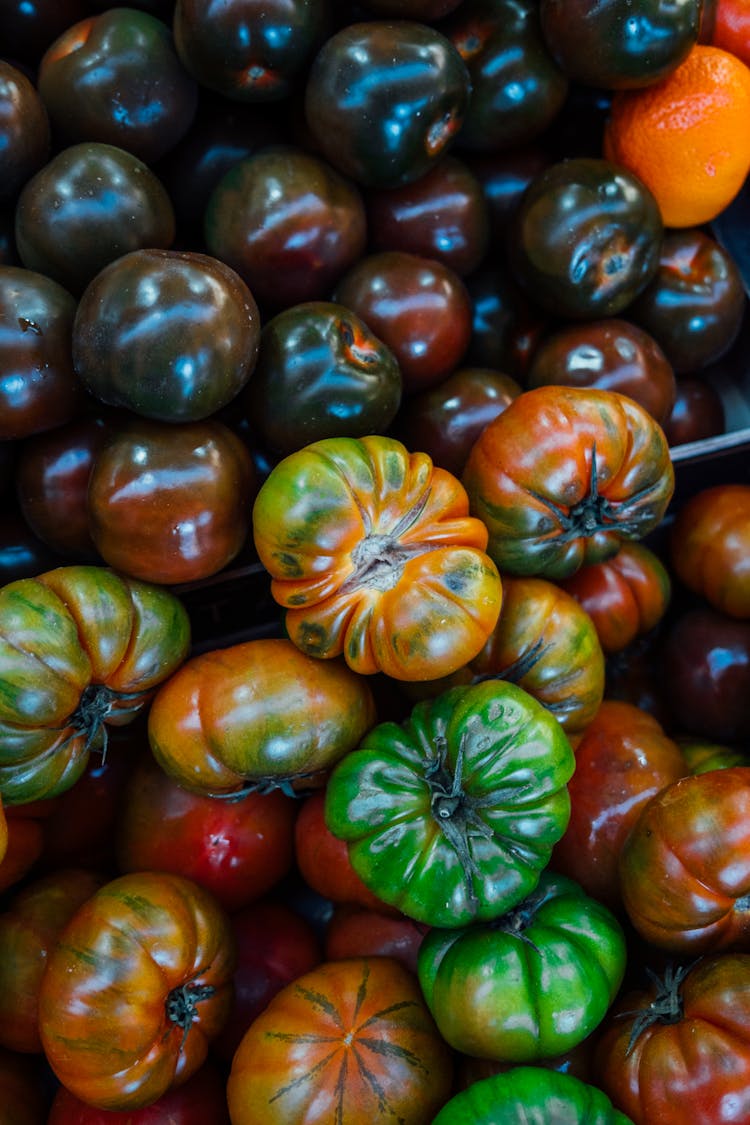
[(529, 985), (530, 1095), (451, 816)]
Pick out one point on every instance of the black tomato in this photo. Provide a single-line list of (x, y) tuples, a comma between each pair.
[(24, 131)]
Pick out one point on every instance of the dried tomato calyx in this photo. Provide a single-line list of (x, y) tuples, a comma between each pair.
[(455, 810), (592, 514), (95, 704), (182, 1004), (666, 1006)]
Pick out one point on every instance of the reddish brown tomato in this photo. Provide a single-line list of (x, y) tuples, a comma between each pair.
[(350, 1041), (625, 596), (356, 932), (564, 475), (237, 849), (323, 859), (29, 929), (257, 714), (171, 504), (275, 945), (623, 759), (25, 841), (418, 306), (679, 1050), (200, 1100), (685, 867), (710, 547), (698, 412), (137, 987)]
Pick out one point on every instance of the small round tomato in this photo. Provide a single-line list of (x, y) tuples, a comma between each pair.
[(138, 985), (564, 475), (349, 1041), (710, 547), (530, 984), (452, 815)]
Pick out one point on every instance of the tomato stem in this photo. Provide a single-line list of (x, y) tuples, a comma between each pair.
[(666, 1006), (182, 1004)]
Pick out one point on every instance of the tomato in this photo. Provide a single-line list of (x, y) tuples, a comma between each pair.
[(623, 758), (25, 842), (80, 646), (256, 714), (200, 1100), (349, 1041), (701, 756), (685, 867), (275, 945), (679, 1050), (22, 1094), (564, 475), (530, 1093), (237, 849), (373, 554), (138, 985), (625, 596), (355, 931), (548, 645), (451, 816), (530, 984), (323, 859), (710, 547)]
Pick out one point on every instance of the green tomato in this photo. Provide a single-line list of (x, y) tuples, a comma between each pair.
[(452, 815), (530, 985), (530, 1095)]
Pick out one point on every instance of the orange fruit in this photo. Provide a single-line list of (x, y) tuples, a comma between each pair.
[(687, 137)]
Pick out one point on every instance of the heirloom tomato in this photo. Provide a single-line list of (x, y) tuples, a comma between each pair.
[(678, 1050), (624, 596), (355, 931), (256, 715), (29, 929), (710, 547), (237, 849), (138, 984), (350, 1041), (530, 984), (564, 475), (623, 758), (373, 554), (80, 647), (529, 1094), (202, 1099), (452, 815), (685, 866)]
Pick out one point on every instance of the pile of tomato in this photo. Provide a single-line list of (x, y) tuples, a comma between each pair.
[(456, 831)]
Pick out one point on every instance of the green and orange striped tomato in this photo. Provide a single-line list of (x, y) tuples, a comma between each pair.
[(350, 1041), (451, 816), (80, 647), (140, 981), (528, 1094), (564, 475), (373, 554)]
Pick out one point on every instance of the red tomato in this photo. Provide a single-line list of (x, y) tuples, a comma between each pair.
[(710, 547), (237, 848), (200, 1101), (354, 931)]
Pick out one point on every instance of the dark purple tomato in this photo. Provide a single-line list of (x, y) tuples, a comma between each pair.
[(321, 372), (169, 335), (384, 100), (24, 130), (442, 215), (417, 306), (222, 133), (22, 554), (288, 223), (27, 27), (446, 420), (171, 503), (611, 355), (90, 204), (695, 302), (506, 326), (504, 177), (697, 414), (116, 78), (616, 44), (249, 50), (52, 479), (517, 88), (587, 238), (424, 10), (39, 388), (706, 669)]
